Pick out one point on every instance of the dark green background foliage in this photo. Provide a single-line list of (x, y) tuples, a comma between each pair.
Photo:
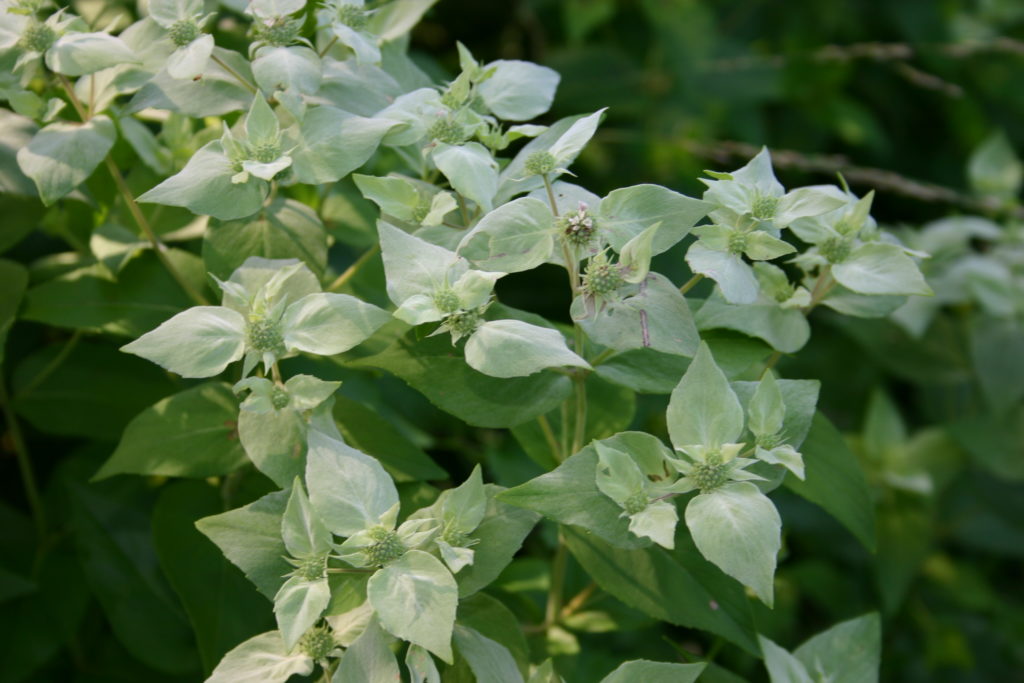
[(895, 95)]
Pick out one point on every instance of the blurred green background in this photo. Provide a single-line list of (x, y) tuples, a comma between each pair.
[(908, 86), (896, 95)]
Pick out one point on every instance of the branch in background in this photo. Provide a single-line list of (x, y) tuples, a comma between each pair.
[(874, 51), (725, 151), (897, 54)]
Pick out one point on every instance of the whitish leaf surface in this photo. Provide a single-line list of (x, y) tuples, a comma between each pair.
[(738, 528), (415, 598)]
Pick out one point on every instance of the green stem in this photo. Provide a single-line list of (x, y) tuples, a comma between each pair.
[(557, 584), (822, 286), (59, 359), (564, 431), (572, 269), (772, 360), (238, 77), (28, 477), (328, 46), (558, 565), (549, 437), (691, 283), (92, 93), (579, 600), (571, 264), (551, 194), (147, 230), (133, 206), (602, 357), (579, 380), (352, 270), (580, 422)]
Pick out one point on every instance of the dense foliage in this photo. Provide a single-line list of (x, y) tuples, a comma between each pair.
[(295, 383)]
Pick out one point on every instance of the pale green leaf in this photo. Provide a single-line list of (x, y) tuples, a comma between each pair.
[(63, 155), (517, 90), (784, 455), (654, 672), (652, 315), (766, 410), (470, 169), (275, 442), (285, 229), (78, 54), (514, 178), (805, 202), (785, 329), (489, 660), (703, 409), (368, 659), (188, 434), (307, 392), (734, 277), (198, 342), (218, 92), (281, 68), (474, 287), (415, 598), (849, 652), (250, 536), (628, 211), (994, 168), (738, 528), (430, 367), (333, 143), (570, 495), (395, 19), (298, 606), (657, 522), (570, 143), (421, 666), (464, 507), (395, 195), (512, 348), (274, 8), (349, 489), (880, 268), (415, 266), (303, 532), (635, 256), (457, 558), (364, 45), (760, 246), (167, 12), (500, 535), (782, 666), (261, 659), (204, 187), (514, 237), (145, 144), (327, 323), (261, 124), (618, 475), (190, 61)]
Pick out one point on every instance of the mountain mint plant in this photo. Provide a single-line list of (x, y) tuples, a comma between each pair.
[(372, 573)]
